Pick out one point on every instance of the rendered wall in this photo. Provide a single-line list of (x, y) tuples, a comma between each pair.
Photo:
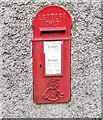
[(16, 81)]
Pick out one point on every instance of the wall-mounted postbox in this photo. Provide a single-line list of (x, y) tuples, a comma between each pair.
[(51, 51)]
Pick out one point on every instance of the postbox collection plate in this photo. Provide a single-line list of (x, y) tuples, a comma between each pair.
[(52, 61), (51, 52)]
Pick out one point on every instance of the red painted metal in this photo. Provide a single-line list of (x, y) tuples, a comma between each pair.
[(52, 23)]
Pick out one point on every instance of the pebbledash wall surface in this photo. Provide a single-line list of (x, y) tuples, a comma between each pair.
[(16, 55)]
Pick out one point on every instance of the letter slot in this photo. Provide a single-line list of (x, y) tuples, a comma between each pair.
[(53, 30)]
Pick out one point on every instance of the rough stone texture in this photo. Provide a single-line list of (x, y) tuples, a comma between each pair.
[(16, 85)]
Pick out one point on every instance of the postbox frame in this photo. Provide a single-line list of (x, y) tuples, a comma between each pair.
[(39, 39)]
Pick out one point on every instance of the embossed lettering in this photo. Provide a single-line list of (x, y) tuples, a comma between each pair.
[(39, 17), (64, 15), (52, 19), (44, 16), (52, 23), (60, 15), (56, 16)]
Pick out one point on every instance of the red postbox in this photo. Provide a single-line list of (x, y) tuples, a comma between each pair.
[(51, 52)]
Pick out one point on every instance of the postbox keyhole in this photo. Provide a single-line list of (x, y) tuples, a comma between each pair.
[(40, 65)]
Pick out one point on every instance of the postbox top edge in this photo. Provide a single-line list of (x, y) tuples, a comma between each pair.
[(51, 6)]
